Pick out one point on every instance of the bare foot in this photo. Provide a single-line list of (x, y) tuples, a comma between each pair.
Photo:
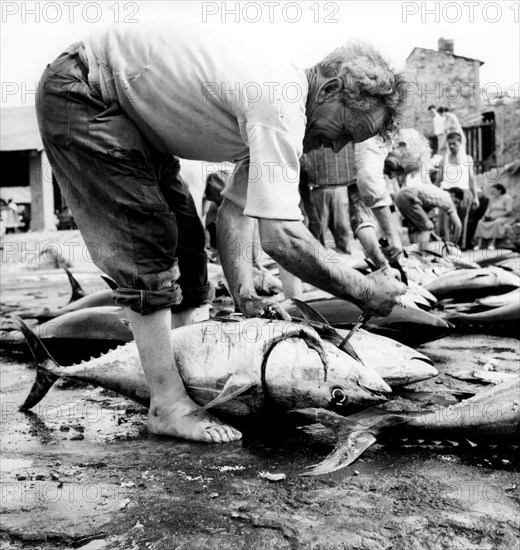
[(182, 420)]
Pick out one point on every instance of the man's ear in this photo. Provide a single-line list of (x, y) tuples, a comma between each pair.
[(330, 88)]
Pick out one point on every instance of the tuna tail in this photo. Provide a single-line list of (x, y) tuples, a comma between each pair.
[(110, 282), (77, 291), (45, 378), (356, 433)]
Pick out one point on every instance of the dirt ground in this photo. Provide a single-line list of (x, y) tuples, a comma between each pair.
[(80, 471)]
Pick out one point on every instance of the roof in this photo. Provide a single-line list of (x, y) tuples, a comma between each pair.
[(427, 50), (19, 129)]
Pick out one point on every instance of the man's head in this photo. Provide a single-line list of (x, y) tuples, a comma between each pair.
[(354, 97), (410, 153), (432, 110), (498, 189), (457, 195), (454, 140)]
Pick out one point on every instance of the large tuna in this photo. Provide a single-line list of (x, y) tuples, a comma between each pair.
[(408, 325), (235, 367), (468, 284), (75, 336)]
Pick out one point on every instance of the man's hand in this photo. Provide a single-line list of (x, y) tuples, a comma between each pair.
[(255, 306), (392, 252), (385, 290), (475, 202)]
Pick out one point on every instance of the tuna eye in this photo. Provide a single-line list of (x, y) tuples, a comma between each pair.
[(338, 396)]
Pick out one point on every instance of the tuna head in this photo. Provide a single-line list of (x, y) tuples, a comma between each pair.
[(301, 370)]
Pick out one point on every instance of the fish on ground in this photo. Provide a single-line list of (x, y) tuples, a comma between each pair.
[(490, 416), (506, 315), (510, 298), (237, 368), (410, 326), (79, 300), (464, 284), (484, 376), (75, 336)]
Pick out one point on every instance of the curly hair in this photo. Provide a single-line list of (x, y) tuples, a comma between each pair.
[(412, 149), (368, 82)]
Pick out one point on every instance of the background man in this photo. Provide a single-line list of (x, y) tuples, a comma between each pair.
[(415, 203), (456, 170)]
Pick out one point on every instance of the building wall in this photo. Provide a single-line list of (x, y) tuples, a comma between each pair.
[(444, 80), (507, 132)]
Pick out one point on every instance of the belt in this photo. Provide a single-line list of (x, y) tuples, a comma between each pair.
[(84, 69), (329, 185)]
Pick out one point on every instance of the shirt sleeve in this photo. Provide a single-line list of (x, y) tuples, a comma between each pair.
[(266, 184), (370, 158)]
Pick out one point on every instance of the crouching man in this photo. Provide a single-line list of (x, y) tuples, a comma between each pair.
[(415, 203)]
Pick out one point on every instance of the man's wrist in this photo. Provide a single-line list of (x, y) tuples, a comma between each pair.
[(368, 291)]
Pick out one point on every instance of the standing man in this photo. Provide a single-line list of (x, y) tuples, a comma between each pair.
[(438, 127), (326, 175), (112, 111), (456, 170)]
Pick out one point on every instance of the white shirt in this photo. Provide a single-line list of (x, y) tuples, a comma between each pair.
[(205, 96), (370, 160)]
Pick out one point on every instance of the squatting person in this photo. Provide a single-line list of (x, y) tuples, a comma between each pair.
[(112, 111), (415, 203)]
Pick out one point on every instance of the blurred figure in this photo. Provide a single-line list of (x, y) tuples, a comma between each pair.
[(438, 127), (451, 124), (326, 176), (415, 204), (410, 159), (496, 218), (454, 172)]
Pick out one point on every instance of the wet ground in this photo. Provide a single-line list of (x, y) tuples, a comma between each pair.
[(82, 472)]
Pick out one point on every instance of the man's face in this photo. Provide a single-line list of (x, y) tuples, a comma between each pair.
[(453, 146), (455, 200), (332, 124)]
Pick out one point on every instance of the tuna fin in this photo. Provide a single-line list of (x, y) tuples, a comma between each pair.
[(323, 328), (110, 282), (309, 313), (237, 384), (77, 291), (344, 453), (45, 378), (356, 433)]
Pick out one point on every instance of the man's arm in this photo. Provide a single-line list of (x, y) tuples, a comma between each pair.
[(389, 228), (370, 162), (293, 247), (457, 225), (440, 173), (472, 183), (235, 241)]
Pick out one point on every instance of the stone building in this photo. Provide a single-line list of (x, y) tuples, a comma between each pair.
[(443, 79)]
